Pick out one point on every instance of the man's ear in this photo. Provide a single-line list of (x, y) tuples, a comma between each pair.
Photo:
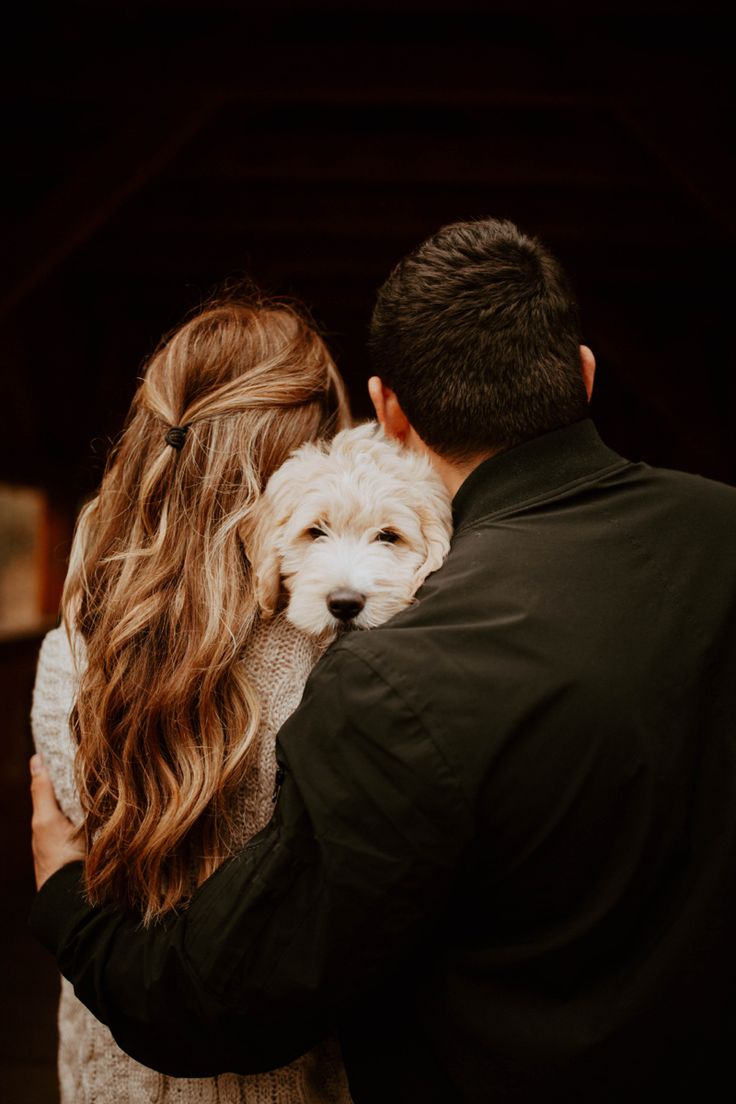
[(388, 409), (587, 365)]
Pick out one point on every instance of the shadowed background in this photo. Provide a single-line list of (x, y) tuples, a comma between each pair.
[(154, 151)]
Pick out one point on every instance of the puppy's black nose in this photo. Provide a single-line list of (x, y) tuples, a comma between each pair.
[(345, 604)]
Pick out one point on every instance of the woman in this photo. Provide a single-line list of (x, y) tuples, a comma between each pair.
[(156, 705)]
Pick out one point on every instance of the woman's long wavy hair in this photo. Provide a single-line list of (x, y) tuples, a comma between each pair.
[(159, 589)]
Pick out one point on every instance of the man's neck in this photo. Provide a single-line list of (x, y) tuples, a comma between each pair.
[(453, 473)]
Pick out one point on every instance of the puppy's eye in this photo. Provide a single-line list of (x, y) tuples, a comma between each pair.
[(388, 536), (315, 532)]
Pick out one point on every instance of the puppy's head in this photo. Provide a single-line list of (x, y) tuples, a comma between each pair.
[(347, 531)]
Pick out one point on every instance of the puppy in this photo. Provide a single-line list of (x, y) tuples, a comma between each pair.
[(347, 531)]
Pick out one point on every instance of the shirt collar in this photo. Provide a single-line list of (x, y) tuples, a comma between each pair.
[(533, 469)]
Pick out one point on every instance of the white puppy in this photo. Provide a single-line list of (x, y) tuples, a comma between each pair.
[(347, 531)]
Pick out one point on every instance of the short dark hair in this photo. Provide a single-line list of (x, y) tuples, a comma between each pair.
[(477, 333)]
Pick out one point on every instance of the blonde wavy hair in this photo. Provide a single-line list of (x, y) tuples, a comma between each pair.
[(160, 591)]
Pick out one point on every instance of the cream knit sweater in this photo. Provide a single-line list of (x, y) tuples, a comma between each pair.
[(92, 1068)]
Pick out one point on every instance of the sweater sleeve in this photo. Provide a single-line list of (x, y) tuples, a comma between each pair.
[(53, 696), (336, 892)]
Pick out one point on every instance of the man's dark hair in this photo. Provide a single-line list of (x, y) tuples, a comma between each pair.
[(477, 333)]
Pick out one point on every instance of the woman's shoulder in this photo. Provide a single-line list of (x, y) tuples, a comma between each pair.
[(281, 649), (60, 655), (278, 660), (55, 671)]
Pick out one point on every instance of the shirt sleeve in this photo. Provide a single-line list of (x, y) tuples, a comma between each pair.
[(342, 885)]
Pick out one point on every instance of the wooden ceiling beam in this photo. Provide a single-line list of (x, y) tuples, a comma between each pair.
[(240, 66), (98, 187), (702, 165), (651, 363)]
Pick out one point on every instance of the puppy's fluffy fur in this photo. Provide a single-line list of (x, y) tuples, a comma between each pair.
[(359, 516)]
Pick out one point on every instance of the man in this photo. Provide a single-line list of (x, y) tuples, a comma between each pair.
[(503, 859)]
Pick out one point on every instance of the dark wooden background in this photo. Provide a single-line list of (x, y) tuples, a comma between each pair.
[(152, 151)]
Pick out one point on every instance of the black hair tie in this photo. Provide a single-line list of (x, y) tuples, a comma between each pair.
[(176, 436)]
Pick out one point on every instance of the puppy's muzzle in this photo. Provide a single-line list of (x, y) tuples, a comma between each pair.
[(345, 604)]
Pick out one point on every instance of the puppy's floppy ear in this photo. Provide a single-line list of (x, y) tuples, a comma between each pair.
[(264, 540), (262, 551), (436, 530)]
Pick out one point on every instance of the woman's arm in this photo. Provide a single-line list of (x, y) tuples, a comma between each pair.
[(340, 887), (53, 697)]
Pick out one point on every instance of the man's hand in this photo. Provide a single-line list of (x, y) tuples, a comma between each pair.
[(53, 835)]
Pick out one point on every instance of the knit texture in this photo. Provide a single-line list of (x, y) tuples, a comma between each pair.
[(92, 1068)]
